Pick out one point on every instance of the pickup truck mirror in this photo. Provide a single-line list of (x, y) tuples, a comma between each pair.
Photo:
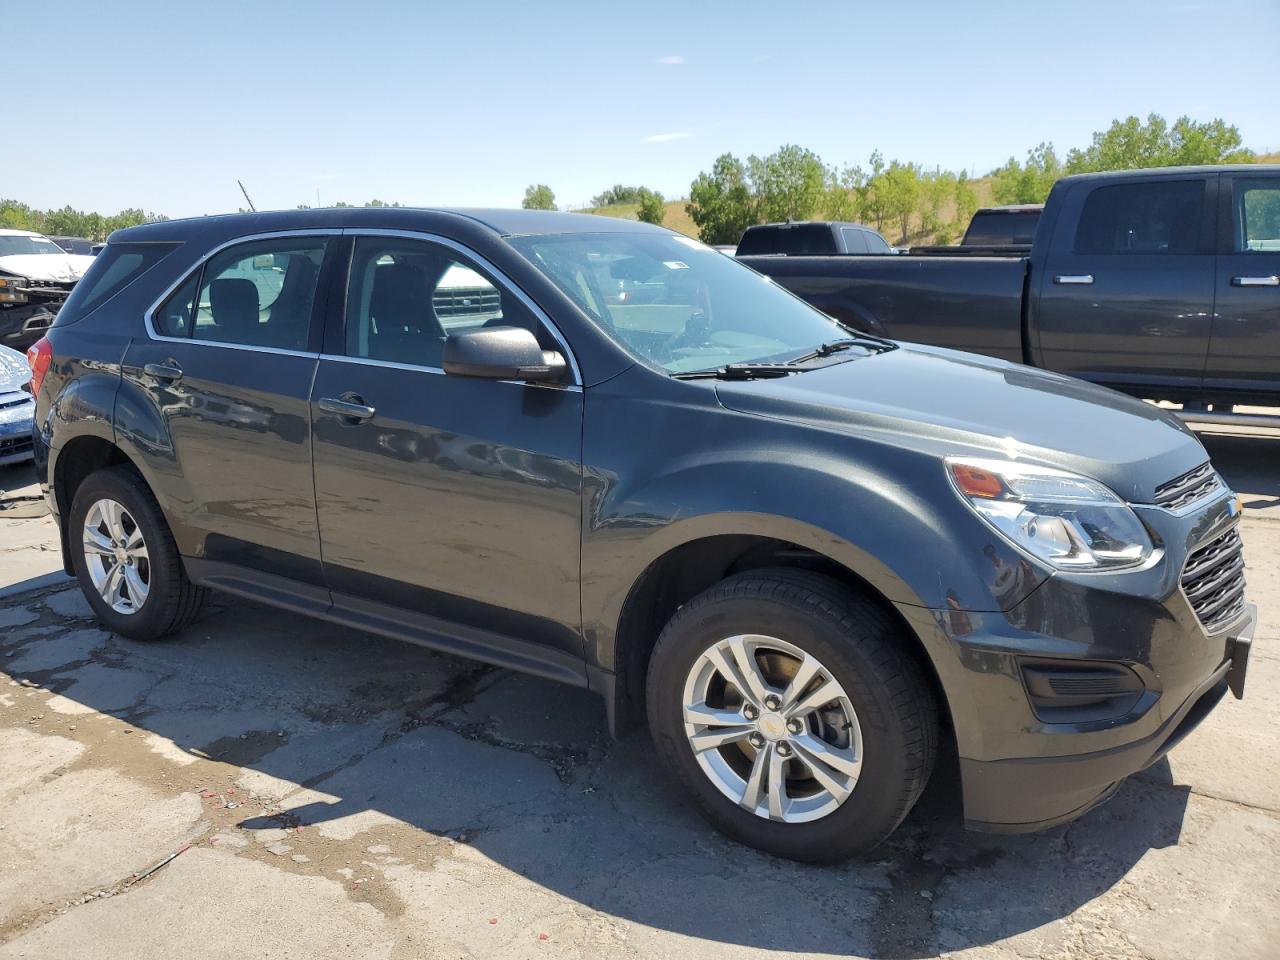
[(502, 353)]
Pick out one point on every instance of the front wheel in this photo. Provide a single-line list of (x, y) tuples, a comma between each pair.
[(790, 710), (125, 558)]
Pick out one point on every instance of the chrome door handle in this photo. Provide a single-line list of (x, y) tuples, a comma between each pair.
[(164, 372), (348, 409), (1255, 281), (1069, 279)]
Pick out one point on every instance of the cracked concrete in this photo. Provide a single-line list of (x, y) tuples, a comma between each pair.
[(331, 793)]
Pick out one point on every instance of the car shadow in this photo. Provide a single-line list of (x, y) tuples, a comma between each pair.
[(340, 733)]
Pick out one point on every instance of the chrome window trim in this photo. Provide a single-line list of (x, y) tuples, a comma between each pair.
[(440, 371), (498, 275), (148, 318)]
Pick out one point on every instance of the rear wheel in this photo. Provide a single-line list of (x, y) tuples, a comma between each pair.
[(126, 560), (788, 707)]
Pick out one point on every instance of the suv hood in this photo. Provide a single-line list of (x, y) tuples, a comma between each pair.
[(46, 266), (954, 403)]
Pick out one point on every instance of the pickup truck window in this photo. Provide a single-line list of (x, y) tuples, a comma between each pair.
[(1157, 217), (1257, 216), (855, 241), (676, 303), (876, 243)]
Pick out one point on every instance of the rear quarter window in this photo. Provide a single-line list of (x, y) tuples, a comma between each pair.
[(116, 267)]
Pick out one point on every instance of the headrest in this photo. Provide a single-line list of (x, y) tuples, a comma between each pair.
[(234, 302)]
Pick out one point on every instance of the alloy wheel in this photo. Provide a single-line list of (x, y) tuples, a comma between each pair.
[(772, 728), (115, 554)]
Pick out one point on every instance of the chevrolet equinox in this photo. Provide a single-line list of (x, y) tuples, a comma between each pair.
[(606, 454)]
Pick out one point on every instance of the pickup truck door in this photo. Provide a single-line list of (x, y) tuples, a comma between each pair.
[(1244, 354), (1126, 290)]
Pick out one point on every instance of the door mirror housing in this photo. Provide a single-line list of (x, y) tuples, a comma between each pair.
[(502, 353)]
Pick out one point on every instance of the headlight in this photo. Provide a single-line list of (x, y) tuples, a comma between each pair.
[(9, 289), (1069, 521)]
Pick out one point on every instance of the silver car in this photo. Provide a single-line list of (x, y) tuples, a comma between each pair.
[(17, 408)]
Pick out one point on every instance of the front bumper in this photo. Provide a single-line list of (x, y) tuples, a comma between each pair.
[(22, 324), (17, 414), (1033, 793), (1030, 755)]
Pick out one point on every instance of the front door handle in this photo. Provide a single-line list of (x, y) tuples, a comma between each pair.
[(349, 406), (1070, 279), (1255, 281), (168, 372)]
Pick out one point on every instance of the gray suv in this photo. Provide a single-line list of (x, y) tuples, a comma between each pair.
[(601, 452)]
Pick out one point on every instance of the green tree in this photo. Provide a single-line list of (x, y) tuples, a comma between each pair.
[(789, 184), (936, 190), (845, 189), (872, 206), (652, 206), (966, 204), (1029, 182), (1130, 144), (617, 194), (900, 190), (721, 203), (539, 196)]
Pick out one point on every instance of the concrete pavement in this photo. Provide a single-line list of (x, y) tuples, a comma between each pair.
[(330, 793)]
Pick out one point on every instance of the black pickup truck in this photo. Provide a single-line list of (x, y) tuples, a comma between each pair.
[(1162, 283)]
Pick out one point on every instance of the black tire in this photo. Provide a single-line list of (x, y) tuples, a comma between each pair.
[(862, 648), (172, 601)]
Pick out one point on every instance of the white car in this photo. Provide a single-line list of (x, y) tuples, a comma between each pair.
[(35, 277), (17, 408)]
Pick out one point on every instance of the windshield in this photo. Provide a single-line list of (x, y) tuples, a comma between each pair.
[(14, 246), (676, 303)]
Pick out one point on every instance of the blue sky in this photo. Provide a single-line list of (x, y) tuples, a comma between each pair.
[(164, 105)]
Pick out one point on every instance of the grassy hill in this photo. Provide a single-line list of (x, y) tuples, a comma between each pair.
[(676, 218)]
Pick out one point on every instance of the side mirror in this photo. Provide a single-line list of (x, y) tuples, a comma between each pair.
[(502, 353)]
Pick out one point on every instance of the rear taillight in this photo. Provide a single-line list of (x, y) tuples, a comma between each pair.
[(39, 356)]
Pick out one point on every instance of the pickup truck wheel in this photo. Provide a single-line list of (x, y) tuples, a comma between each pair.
[(125, 558), (787, 707)]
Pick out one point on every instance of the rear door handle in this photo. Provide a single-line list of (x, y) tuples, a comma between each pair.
[(1255, 281), (1069, 279), (164, 372), (349, 407)]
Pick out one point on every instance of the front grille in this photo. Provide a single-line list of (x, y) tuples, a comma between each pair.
[(1188, 488), (1213, 580), (64, 285), (14, 446)]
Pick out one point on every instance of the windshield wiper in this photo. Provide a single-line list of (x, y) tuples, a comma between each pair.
[(874, 344), (742, 371)]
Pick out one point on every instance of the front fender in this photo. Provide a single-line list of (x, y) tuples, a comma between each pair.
[(880, 510)]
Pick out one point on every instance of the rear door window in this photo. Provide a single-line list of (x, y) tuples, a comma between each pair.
[(1161, 217), (260, 294), (1257, 216)]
